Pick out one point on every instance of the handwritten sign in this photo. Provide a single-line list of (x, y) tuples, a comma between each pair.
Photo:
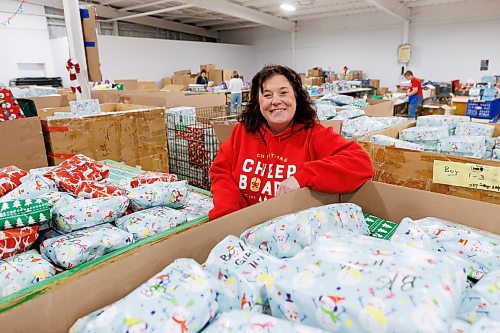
[(477, 176)]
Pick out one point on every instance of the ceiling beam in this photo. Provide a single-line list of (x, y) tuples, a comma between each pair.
[(152, 12), (231, 9), (108, 12), (232, 27), (356, 11), (105, 3), (143, 5), (393, 8)]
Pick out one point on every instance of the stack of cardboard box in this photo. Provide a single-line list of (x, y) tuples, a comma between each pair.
[(217, 75), (314, 77)]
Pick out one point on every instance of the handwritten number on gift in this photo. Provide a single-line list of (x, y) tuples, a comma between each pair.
[(405, 282)]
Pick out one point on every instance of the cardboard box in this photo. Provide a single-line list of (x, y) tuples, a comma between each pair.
[(98, 287), (379, 108), (381, 91), (183, 80), (106, 96), (173, 87), (374, 83), (88, 16), (415, 169), (174, 98), (316, 81), (129, 84), (167, 80), (227, 74), (148, 85), (21, 143), (183, 72), (50, 101), (315, 71), (208, 67), (216, 75), (132, 134)]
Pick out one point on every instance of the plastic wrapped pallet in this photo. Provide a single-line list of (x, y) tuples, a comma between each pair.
[(474, 129), (471, 146), (392, 142)]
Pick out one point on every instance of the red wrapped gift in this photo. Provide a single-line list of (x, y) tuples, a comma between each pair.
[(10, 178), (9, 107), (13, 241), (71, 173), (151, 177), (93, 189)]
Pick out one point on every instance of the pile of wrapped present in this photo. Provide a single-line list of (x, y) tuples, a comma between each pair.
[(74, 213), (9, 107), (317, 271)]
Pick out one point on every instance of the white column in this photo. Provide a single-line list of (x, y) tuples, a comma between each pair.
[(294, 54), (75, 41)]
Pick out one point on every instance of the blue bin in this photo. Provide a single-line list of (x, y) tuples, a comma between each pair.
[(484, 109)]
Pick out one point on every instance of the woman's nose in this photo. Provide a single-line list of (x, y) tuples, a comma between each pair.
[(276, 100)]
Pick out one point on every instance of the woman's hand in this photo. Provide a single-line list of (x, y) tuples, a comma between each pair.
[(288, 185)]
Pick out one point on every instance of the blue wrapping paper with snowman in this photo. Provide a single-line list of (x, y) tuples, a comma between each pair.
[(388, 141), (360, 126), (450, 121), (252, 322), (150, 222), (496, 154), (483, 325), (23, 270), (173, 195), (75, 214), (197, 205), (471, 146), (474, 129), (32, 186), (285, 236), (483, 300), (432, 133), (325, 110), (479, 249), (82, 246), (243, 273), (179, 299), (364, 284), (350, 113)]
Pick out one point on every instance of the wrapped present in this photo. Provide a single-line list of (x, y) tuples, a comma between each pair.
[(243, 272), (71, 214), (179, 299), (325, 110), (349, 114), (496, 154), (14, 241), (150, 222), (152, 177), (450, 121), (388, 141), (34, 91), (251, 322), (85, 107), (473, 146), (483, 325), (340, 100), (181, 117), (360, 103), (285, 236), (197, 205), (365, 284), (32, 187), (172, 195), (23, 213), (479, 249), (432, 133), (70, 173), (93, 189), (483, 300), (497, 142), (10, 178), (429, 145), (475, 129), (8, 106), (79, 247), (23, 270)]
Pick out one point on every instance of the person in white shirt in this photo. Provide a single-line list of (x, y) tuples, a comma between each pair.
[(235, 87)]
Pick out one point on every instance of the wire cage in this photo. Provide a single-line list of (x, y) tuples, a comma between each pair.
[(192, 143)]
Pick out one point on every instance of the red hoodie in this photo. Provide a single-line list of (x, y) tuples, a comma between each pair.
[(250, 166)]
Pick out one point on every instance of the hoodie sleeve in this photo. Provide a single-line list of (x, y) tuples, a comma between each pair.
[(226, 194), (341, 166)]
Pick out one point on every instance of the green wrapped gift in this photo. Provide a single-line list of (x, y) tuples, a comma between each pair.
[(25, 212)]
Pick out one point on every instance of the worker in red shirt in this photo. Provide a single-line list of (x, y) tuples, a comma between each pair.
[(415, 95), (279, 147)]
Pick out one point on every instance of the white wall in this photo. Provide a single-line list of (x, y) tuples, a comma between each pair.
[(448, 42), (25, 41), (153, 59)]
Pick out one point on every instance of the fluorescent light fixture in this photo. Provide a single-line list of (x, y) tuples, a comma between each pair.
[(287, 7)]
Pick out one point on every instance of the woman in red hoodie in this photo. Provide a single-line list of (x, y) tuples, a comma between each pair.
[(279, 147)]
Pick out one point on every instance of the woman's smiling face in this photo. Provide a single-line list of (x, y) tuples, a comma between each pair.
[(277, 103)]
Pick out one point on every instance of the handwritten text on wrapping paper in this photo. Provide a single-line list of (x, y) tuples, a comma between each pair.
[(477, 176)]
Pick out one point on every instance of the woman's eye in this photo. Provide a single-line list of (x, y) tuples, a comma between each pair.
[(268, 95)]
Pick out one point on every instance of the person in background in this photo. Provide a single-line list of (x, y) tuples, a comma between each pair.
[(279, 146), (415, 95), (202, 78), (235, 87)]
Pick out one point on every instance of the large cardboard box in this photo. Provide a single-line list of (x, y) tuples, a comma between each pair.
[(88, 16), (133, 134), (147, 85), (21, 143), (227, 74), (129, 84), (381, 91), (173, 87), (415, 169), (184, 80), (379, 108), (98, 287), (216, 75), (50, 101), (315, 71), (183, 72), (106, 96), (174, 98), (375, 83), (208, 67), (167, 80)]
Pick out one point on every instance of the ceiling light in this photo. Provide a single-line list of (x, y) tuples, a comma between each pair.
[(287, 7)]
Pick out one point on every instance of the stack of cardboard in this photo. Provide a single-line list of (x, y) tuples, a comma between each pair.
[(314, 77), (181, 78), (88, 16)]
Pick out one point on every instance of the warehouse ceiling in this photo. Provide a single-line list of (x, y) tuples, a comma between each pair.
[(208, 17)]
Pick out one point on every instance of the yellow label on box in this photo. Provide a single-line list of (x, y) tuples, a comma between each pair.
[(478, 176)]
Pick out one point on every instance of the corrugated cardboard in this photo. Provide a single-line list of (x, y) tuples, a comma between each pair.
[(215, 75), (167, 80), (223, 131), (379, 108), (183, 72), (174, 98), (172, 87), (21, 144), (415, 169), (207, 67), (98, 287), (315, 71), (147, 85), (129, 84), (227, 74), (381, 91), (106, 96), (374, 83), (133, 134), (50, 101), (90, 42), (184, 80)]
